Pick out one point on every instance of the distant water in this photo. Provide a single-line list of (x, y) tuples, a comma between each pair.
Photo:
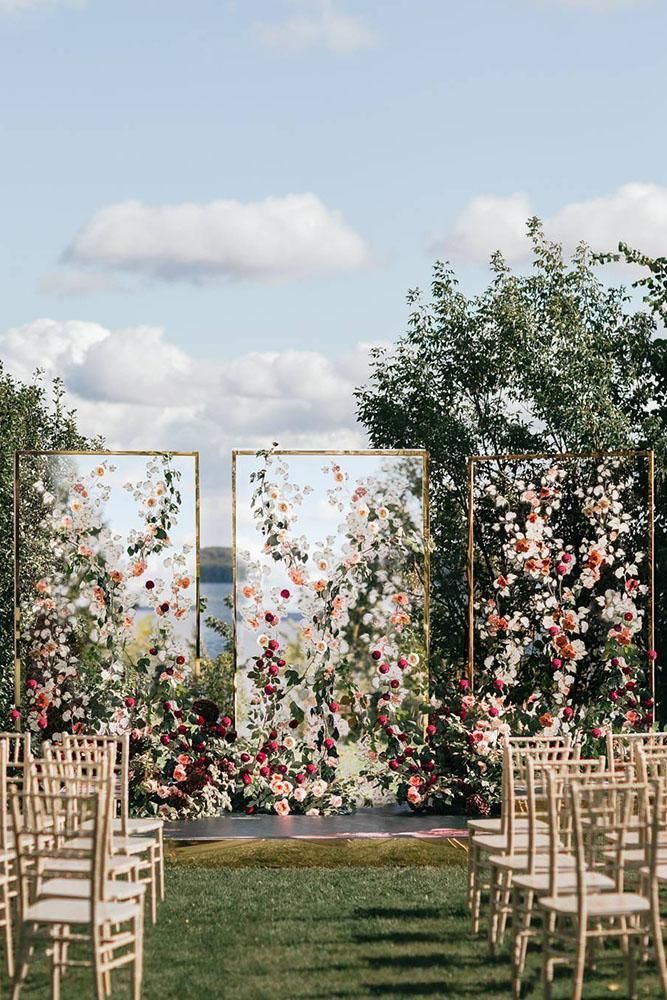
[(215, 594)]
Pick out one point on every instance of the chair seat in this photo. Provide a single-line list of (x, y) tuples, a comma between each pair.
[(121, 845), (58, 910), (119, 864), (604, 904), (540, 882), (495, 825), (498, 842), (142, 824), (635, 856), (660, 872), (79, 888), (519, 862)]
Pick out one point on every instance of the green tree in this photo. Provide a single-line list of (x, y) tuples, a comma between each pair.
[(556, 359), (31, 417)]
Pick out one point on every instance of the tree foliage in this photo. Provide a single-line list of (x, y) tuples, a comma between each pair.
[(31, 417), (557, 359)]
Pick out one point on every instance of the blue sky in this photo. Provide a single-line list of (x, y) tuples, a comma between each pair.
[(386, 132)]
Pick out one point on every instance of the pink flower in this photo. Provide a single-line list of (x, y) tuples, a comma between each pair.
[(652, 654), (464, 684), (282, 807), (180, 774), (413, 796)]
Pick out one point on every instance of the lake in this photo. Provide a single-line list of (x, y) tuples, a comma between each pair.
[(215, 593)]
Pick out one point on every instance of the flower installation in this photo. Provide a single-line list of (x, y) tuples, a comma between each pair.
[(330, 627)]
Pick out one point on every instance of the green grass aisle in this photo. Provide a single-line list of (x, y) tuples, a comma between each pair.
[(322, 934)]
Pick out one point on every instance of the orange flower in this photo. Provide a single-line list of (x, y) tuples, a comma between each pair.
[(546, 720), (521, 545)]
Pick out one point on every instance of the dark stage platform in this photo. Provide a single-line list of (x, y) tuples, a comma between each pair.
[(365, 823)]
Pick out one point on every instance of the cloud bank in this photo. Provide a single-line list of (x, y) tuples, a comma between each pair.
[(142, 392), (635, 213), (280, 238), (316, 24)]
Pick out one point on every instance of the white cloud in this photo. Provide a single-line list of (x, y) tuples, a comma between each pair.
[(635, 213), (279, 238), (316, 24), (141, 392)]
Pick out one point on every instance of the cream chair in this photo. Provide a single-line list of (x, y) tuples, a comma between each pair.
[(128, 826), (513, 836), (111, 929), (578, 918)]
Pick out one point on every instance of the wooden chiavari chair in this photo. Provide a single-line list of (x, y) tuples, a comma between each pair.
[(142, 849), (123, 823), (110, 928), (621, 746), (548, 801), (513, 837), (575, 918), (7, 864)]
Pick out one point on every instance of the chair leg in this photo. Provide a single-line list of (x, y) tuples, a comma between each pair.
[(474, 893), (547, 966), (138, 965), (97, 962), (658, 942), (56, 959), (9, 935), (494, 894), (516, 943), (23, 951), (579, 962), (160, 839)]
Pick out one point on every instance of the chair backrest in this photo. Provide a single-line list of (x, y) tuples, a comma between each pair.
[(650, 761), (517, 752), (547, 798), (53, 814), (606, 816), (88, 747), (19, 755), (620, 746)]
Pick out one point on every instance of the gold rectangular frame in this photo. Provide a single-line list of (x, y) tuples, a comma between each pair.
[(426, 526), (102, 453), (567, 455)]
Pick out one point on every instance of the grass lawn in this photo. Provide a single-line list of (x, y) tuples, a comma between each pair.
[(294, 933)]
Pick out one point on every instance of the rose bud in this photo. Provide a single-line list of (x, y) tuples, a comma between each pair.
[(226, 721), (269, 689), (246, 778), (500, 684), (628, 616), (333, 706), (402, 663), (329, 743), (284, 593), (561, 568), (493, 712), (281, 663), (394, 765), (613, 695), (408, 751), (167, 706), (394, 684), (273, 735), (261, 757), (383, 720), (130, 702), (149, 585), (376, 654), (180, 660), (153, 651), (32, 684), (249, 810), (596, 733), (165, 739), (273, 746), (42, 722), (282, 769), (384, 668), (311, 768), (556, 662), (178, 714), (615, 662), (164, 607), (265, 771), (652, 654), (14, 714), (568, 712), (431, 730), (554, 630), (299, 778), (464, 684), (273, 669), (293, 724), (274, 645), (428, 765), (268, 617), (182, 730)]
